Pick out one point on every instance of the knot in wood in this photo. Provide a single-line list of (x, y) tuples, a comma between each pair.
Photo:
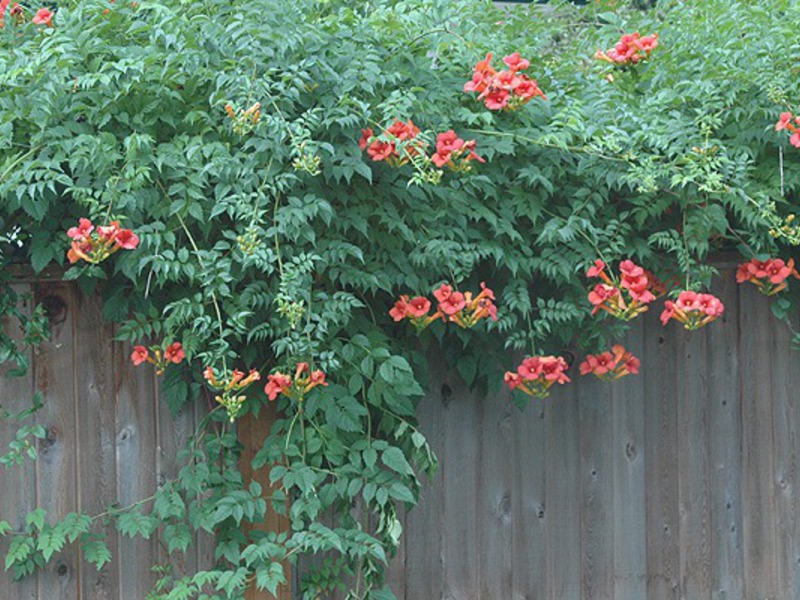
[(55, 308)]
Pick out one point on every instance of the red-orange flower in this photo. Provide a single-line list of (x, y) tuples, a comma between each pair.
[(692, 309), (626, 299), (630, 49), (769, 275), (277, 384), (43, 17), (94, 245), (536, 375), (139, 355), (612, 365), (174, 353), (501, 90)]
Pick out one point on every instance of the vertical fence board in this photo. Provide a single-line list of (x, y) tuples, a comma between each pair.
[(785, 459), (758, 492), (661, 460), (725, 447), (630, 552), (17, 483), (693, 472), (96, 419), (494, 502), (597, 478), (424, 544), (562, 507), (136, 464), (462, 554), (529, 511), (56, 468), (172, 434)]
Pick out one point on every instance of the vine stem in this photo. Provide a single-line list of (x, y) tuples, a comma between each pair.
[(213, 294), (14, 164), (566, 148)]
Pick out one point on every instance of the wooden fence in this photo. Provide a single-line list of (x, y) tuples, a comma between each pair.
[(675, 484)]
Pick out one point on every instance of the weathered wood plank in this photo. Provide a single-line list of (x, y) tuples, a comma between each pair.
[(173, 433), (461, 553), (758, 489), (96, 422), (560, 513), (18, 483), (494, 503), (693, 465), (56, 468), (725, 452), (630, 526), (597, 480), (785, 430), (424, 544), (529, 513), (661, 459), (136, 444)]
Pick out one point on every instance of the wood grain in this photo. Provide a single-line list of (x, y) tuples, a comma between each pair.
[(679, 483)]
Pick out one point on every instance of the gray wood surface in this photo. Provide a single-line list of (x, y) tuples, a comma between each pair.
[(110, 441), (681, 483)]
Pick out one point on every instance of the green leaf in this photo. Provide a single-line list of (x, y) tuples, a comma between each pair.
[(393, 458)]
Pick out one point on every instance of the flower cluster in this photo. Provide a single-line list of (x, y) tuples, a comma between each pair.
[(692, 309), (612, 365), (629, 50), (790, 123), (295, 388), (244, 120), (769, 275), (17, 12), (397, 145), (229, 388), (626, 300), (460, 308), (96, 245), (159, 356), (537, 374), (454, 153), (506, 89)]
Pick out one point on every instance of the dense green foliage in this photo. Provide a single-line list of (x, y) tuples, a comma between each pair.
[(264, 244)]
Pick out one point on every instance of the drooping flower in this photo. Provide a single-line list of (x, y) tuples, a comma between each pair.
[(139, 355), (629, 50), (158, 355), (769, 275), (626, 299), (43, 17), (94, 245), (277, 384), (82, 231), (612, 365), (464, 309), (537, 374), (126, 239), (453, 152), (174, 353), (790, 123), (692, 309), (503, 90), (418, 307), (294, 388)]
